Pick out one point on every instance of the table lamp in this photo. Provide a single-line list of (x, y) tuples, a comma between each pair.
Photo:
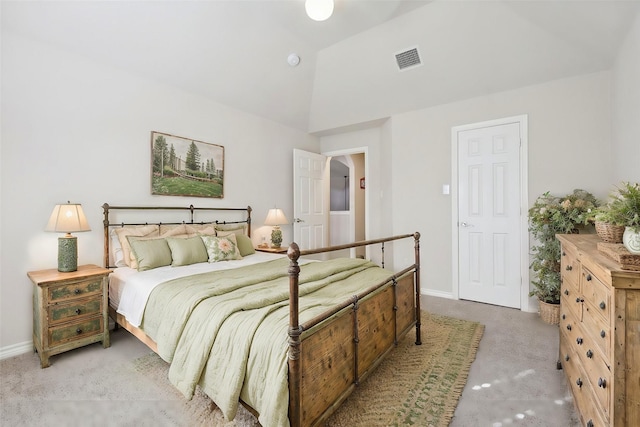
[(67, 219), (276, 218)]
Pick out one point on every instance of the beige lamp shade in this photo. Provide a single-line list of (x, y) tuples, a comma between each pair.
[(68, 218), (276, 217)]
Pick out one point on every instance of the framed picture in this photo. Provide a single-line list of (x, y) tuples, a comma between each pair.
[(186, 167)]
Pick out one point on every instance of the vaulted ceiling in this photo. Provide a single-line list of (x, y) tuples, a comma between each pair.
[(235, 52)]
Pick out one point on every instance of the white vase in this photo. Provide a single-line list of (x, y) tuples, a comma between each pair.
[(631, 240)]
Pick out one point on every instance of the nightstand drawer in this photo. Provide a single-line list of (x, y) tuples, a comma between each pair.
[(59, 313), (69, 332), (75, 290)]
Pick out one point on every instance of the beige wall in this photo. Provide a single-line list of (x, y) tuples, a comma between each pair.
[(626, 108), (75, 130), (569, 147)]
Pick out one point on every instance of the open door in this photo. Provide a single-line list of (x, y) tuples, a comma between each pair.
[(310, 200)]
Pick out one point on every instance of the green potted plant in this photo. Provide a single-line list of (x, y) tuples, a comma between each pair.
[(551, 215), (624, 210)]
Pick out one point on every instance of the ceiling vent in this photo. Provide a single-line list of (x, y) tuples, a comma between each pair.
[(409, 58)]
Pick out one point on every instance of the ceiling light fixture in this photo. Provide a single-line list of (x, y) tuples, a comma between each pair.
[(319, 10)]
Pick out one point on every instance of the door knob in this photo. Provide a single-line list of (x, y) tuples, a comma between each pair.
[(298, 220), (464, 224)]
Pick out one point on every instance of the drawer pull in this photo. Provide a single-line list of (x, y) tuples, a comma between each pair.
[(590, 354), (566, 357), (579, 341), (603, 333), (579, 382), (569, 327), (569, 268), (78, 331), (602, 383), (78, 311), (564, 253), (590, 423), (564, 316), (602, 305), (589, 277), (566, 291), (76, 291)]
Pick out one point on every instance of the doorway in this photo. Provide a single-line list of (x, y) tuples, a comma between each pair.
[(311, 185), (490, 238)]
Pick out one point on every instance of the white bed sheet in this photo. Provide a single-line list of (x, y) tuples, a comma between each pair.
[(129, 289)]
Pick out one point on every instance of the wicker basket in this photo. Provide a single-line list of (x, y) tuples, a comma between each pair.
[(550, 313), (609, 233)]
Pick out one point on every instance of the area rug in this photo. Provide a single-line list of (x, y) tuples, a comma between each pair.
[(414, 385)]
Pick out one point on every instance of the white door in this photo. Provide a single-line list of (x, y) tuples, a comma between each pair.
[(489, 220), (310, 200)]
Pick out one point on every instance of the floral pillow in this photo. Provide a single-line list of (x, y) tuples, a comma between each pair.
[(221, 248)]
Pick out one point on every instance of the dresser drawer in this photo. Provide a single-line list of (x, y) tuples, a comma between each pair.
[(80, 289), (597, 296), (76, 330), (577, 379), (597, 372), (599, 330), (570, 304), (570, 267), (59, 313)]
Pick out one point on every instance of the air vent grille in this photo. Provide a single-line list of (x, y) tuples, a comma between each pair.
[(408, 58)]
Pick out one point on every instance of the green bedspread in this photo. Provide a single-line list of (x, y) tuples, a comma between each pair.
[(227, 330)]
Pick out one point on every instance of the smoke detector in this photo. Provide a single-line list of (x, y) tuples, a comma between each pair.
[(293, 59), (408, 58)]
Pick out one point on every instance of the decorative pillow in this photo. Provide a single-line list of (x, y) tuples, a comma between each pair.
[(186, 251), (245, 245), (179, 230), (237, 229), (197, 229), (221, 248), (150, 253), (146, 231), (117, 258)]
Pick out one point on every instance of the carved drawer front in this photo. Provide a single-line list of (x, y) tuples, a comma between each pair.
[(571, 303), (570, 267), (597, 296), (68, 332), (599, 329), (597, 371), (569, 324), (59, 313), (75, 290)]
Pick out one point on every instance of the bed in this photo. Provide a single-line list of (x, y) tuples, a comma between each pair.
[(287, 336)]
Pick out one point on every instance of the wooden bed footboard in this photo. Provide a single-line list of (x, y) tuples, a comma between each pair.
[(331, 354)]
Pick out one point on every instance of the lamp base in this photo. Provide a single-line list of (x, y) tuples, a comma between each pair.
[(276, 237), (67, 253)]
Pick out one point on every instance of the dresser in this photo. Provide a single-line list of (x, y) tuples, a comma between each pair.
[(600, 333), (70, 310)]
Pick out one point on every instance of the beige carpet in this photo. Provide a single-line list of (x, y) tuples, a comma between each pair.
[(415, 385)]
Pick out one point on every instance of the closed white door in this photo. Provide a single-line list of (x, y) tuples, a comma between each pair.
[(489, 215), (311, 200)]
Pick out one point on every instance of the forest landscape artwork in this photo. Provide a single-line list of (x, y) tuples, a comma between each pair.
[(186, 167)]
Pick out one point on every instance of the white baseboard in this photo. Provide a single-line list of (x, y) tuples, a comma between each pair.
[(15, 349), (441, 294)]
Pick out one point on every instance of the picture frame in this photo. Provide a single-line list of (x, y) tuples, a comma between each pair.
[(186, 167)]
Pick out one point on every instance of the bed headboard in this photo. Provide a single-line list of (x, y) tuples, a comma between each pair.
[(152, 215)]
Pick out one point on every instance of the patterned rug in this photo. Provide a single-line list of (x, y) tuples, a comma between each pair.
[(414, 385)]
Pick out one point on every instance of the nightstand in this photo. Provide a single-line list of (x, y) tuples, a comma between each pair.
[(280, 250), (70, 310)]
